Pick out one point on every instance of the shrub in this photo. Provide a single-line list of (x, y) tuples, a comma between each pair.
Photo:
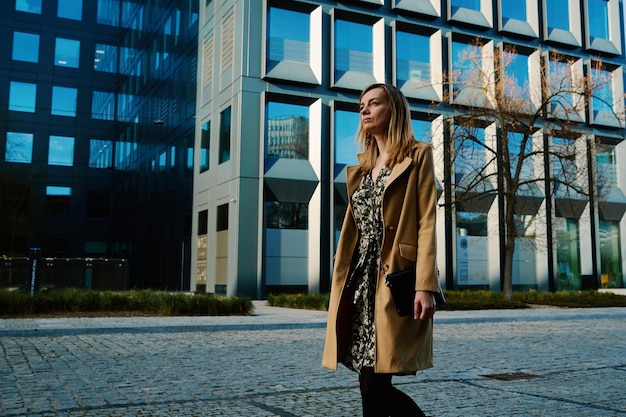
[(76, 301)]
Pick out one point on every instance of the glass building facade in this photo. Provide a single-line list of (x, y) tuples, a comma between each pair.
[(97, 99), (288, 75)]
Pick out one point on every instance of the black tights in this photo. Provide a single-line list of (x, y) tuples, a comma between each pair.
[(381, 399)]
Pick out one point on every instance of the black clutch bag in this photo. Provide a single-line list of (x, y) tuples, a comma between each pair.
[(402, 286)]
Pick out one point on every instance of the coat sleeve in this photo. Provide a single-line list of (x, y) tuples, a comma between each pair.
[(426, 266)]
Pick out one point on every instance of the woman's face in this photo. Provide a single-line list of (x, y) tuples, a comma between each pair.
[(375, 112)]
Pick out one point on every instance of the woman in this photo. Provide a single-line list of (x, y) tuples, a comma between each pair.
[(389, 227)]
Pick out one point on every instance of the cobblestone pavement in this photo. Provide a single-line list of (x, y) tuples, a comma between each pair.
[(548, 362)]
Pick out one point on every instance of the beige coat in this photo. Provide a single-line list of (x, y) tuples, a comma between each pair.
[(403, 345)]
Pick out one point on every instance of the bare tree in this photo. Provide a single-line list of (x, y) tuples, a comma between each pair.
[(516, 132)]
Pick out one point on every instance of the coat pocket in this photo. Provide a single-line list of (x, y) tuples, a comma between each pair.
[(408, 251)]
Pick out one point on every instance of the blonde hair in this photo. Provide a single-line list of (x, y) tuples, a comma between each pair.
[(400, 135)]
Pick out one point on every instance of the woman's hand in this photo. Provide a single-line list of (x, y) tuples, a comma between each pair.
[(424, 305)]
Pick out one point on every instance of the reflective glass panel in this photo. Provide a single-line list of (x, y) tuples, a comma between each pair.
[(567, 253), (288, 38), (472, 254), (606, 166), (469, 150), (564, 160), (602, 100), (25, 47), (353, 47), (67, 53), (560, 80), (109, 12), (205, 146), (224, 151), (30, 6), (287, 131), (105, 58), (412, 58), (517, 74), (514, 9), (557, 14), (19, 147), (467, 4), (58, 200), (520, 155), (61, 151), (103, 105), (346, 126), (70, 9), (467, 65), (22, 96), (610, 255), (287, 215), (64, 101), (599, 18), (100, 153), (422, 130)]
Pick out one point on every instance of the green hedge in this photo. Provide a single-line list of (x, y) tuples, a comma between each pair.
[(478, 300), (18, 303)]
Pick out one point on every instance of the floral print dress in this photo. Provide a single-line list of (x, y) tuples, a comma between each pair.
[(367, 211)]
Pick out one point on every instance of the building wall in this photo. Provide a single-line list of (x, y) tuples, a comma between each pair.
[(283, 214)]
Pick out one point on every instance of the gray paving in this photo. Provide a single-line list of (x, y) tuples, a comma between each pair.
[(548, 362)]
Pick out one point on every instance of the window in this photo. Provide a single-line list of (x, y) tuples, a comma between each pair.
[(472, 71), (287, 215), (224, 151), (412, 58), (469, 150), (603, 22), (514, 9), (472, 249), (58, 199), (25, 47), (607, 90), (100, 153), (103, 105), (70, 9), (97, 203), (287, 131), (189, 156), (564, 75), (358, 56), (61, 151), (418, 62), (205, 146), (173, 157), (19, 147), (294, 42), (563, 151), (22, 96), (520, 153), (422, 130), (610, 255), (109, 12), (66, 53), (289, 36), (598, 19), (105, 58), (606, 166), (473, 12), (520, 18), (29, 6), (345, 146), (522, 76), (567, 253), (562, 21), (467, 4), (222, 218), (64, 101)]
